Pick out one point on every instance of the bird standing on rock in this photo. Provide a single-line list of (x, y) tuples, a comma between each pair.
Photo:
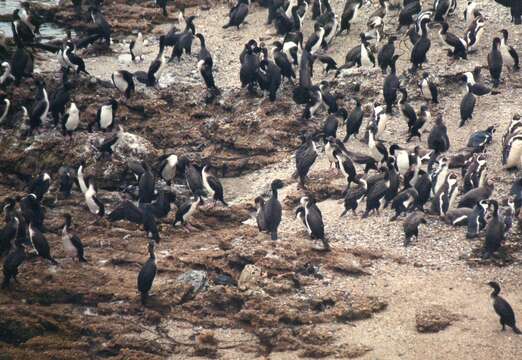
[(147, 275), (273, 210)]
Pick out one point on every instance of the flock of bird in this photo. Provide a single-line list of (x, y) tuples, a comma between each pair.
[(402, 178)]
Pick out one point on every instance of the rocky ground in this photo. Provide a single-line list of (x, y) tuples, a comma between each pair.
[(225, 290)]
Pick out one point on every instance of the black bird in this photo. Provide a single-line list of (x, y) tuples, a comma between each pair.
[(479, 139), (123, 80), (71, 242), (375, 196), (509, 54), (147, 275), (442, 8), (12, 262), (350, 11), (22, 63), (166, 167), (58, 100), (281, 59), (445, 196), (328, 63), (495, 62), (475, 173), (421, 47), (408, 12), (428, 88), (146, 185), (503, 309), (8, 233), (269, 76), (103, 27), (467, 106), (422, 118), (237, 14), (126, 210), (516, 9), (161, 206), (212, 185), (157, 67), (411, 226), (386, 54), (438, 138), (354, 120), (74, 60), (305, 157), (40, 244), (66, 180), (474, 196), (391, 86), (249, 67), (21, 31), (273, 210), (495, 231)]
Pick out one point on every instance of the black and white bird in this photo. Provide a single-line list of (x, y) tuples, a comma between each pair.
[(260, 213), (187, 210), (167, 166), (354, 120), (423, 117), (503, 309), (391, 86), (40, 109), (305, 157), (147, 274), (40, 244), (428, 88), (314, 42), (509, 54), (72, 244), (136, 48), (65, 180), (495, 62), (146, 185), (313, 220), (471, 198), (474, 32), (477, 88), (6, 76), (94, 205), (237, 14), (477, 219), (103, 26), (212, 185), (354, 197), (283, 61), (205, 66), (446, 195), (71, 120), (106, 114), (273, 210), (40, 186), (192, 175), (458, 46), (438, 139), (123, 81)]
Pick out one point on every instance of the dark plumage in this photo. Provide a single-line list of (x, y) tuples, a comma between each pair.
[(40, 244), (71, 242), (11, 264), (386, 54), (495, 231), (273, 210), (147, 275), (411, 226), (438, 139), (421, 47), (391, 86), (467, 106), (305, 157), (495, 62), (237, 14), (503, 309)]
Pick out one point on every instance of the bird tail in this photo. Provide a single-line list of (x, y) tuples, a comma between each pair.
[(274, 234), (344, 212), (226, 26)]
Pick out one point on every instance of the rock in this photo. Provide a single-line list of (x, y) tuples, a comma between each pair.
[(348, 266), (433, 319), (197, 279), (250, 277), (206, 344)]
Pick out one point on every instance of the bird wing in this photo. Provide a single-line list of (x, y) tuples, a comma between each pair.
[(506, 3)]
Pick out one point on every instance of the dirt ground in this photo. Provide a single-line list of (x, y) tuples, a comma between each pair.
[(369, 298)]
